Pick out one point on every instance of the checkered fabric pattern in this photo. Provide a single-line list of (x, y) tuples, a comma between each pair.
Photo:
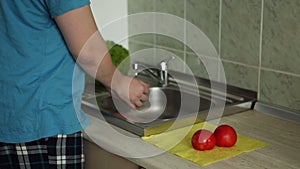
[(58, 152)]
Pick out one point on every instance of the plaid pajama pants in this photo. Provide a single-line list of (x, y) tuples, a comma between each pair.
[(57, 152)]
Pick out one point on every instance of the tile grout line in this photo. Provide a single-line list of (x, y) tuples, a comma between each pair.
[(257, 67), (220, 36), (240, 64), (281, 72), (184, 35), (260, 49), (154, 28)]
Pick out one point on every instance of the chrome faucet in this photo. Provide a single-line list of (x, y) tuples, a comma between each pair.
[(163, 70)]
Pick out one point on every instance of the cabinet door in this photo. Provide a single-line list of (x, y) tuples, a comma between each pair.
[(98, 158)]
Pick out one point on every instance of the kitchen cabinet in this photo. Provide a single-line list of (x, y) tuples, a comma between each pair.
[(98, 158)]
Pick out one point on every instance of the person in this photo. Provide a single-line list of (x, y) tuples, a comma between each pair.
[(46, 47)]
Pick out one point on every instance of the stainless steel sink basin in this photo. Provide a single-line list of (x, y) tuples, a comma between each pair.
[(164, 103), (169, 106)]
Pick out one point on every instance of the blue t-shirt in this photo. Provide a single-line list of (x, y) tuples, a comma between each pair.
[(40, 84)]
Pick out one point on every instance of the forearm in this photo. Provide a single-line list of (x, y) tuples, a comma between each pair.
[(95, 59)]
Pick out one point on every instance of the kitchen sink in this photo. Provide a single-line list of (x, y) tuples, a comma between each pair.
[(164, 103), (182, 104)]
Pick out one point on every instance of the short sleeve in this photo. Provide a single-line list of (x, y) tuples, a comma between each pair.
[(58, 7)]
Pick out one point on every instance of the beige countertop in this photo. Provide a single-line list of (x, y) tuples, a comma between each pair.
[(283, 151)]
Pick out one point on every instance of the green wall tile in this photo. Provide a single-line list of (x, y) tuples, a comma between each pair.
[(240, 40), (170, 27), (141, 30), (240, 37), (136, 6), (280, 89), (200, 66), (205, 15), (136, 23), (136, 47), (144, 38), (149, 54), (241, 76), (165, 53), (174, 7), (281, 35)]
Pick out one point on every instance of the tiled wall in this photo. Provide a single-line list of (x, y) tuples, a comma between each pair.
[(258, 42)]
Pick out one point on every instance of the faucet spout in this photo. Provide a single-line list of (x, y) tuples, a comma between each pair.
[(162, 75), (137, 67)]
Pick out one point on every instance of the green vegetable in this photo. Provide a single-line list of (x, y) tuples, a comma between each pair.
[(118, 52)]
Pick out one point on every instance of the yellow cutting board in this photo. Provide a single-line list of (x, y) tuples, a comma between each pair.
[(178, 142)]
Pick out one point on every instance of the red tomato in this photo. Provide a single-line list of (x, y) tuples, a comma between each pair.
[(203, 140), (225, 135)]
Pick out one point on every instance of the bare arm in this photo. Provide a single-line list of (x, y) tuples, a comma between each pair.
[(89, 49)]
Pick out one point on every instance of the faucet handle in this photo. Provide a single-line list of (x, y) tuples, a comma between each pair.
[(163, 64), (135, 66), (134, 69), (164, 70)]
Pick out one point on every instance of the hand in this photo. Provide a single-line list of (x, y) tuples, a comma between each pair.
[(138, 92), (131, 90)]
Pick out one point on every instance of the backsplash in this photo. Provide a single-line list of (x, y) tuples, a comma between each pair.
[(258, 42)]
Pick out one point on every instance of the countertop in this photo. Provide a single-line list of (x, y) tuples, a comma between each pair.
[(283, 137)]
